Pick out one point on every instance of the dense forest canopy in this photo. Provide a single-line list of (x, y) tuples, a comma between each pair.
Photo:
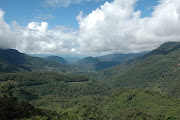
[(142, 87)]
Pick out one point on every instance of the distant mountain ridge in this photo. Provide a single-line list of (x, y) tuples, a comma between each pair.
[(142, 88), (94, 64), (120, 57), (107, 61), (12, 60), (57, 59), (87, 60)]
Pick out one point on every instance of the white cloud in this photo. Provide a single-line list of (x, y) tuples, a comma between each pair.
[(114, 27), (36, 37), (42, 40), (8, 39), (117, 27), (64, 3)]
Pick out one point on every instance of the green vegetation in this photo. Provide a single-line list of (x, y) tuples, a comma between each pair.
[(146, 88), (52, 89), (126, 104), (13, 61), (140, 104), (158, 70), (11, 108)]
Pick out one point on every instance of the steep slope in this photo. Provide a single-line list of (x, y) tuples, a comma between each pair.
[(57, 59), (6, 67), (13, 61), (158, 69)]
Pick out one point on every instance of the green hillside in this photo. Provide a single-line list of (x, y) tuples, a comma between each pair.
[(106, 61), (13, 61), (146, 88), (158, 70)]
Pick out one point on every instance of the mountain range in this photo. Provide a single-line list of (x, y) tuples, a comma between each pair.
[(14, 61), (142, 86), (107, 61)]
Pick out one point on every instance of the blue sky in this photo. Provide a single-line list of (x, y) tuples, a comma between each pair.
[(26, 11)]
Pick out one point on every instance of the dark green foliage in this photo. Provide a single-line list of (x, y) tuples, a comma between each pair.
[(140, 104), (158, 70), (6, 67), (53, 89), (12, 56), (11, 108), (76, 96), (125, 104)]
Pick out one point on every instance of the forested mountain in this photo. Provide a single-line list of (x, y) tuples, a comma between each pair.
[(13, 61), (50, 87), (57, 59), (106, 61), (157, 70), (145, 88)]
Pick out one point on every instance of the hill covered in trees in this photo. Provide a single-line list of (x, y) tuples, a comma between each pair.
[(158, 70), (145, 88), (13, 61), (53, 90)]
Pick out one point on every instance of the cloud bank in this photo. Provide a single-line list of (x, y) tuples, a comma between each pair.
[(113, 27), (36, 38), (117, 27)]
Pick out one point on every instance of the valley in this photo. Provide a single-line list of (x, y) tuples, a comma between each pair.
[(130, 86)]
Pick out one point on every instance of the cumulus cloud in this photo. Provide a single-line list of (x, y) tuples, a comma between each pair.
[(8, 39), (113, 27), (37, 38), (63, 3), (116, 27)]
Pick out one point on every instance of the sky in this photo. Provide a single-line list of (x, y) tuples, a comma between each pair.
[(88, 26)]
